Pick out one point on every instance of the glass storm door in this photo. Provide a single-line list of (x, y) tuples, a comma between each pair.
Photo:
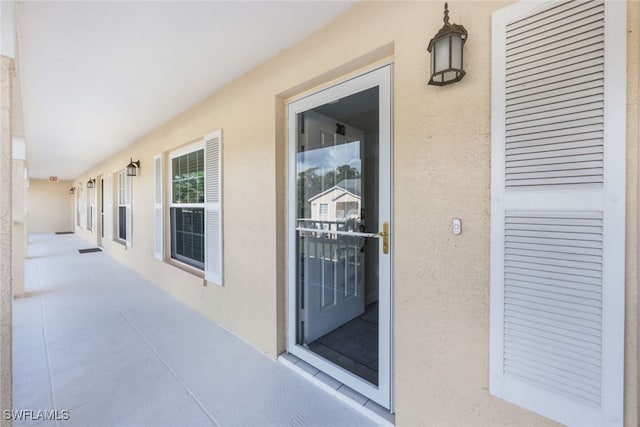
[(339, 232)]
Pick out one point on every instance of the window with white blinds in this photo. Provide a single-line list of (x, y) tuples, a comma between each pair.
[(78, 204), (558, 227), (195, 206), (124, 214)]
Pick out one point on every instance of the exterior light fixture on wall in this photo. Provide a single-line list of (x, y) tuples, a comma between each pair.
[(446, 53), (91, 183), (132, 166), (72, 190)]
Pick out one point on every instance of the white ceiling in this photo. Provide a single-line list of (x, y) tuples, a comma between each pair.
[(96, 76)]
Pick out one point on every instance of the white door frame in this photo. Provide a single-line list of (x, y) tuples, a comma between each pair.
[(382, 78), (99, 210)]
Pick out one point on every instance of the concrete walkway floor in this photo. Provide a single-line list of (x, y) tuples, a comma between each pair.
[(95, 339)]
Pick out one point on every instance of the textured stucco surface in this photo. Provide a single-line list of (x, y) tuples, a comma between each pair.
[(441, 161), (632, 331), (19, 228), (6, 77), (50, 206)]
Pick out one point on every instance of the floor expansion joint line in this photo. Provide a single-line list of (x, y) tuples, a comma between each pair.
[(46, 344), (186, 388)]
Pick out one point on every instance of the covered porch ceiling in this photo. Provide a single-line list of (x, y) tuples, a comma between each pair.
[(96, 76)]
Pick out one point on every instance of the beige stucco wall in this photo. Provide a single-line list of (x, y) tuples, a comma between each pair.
[(7, 73), (18, 236), (49, 206), (441, 171)]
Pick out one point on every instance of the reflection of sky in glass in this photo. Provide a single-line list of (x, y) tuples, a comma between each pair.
[(329, 158)]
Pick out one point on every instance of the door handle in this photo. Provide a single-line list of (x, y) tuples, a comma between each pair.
[(385, 237)]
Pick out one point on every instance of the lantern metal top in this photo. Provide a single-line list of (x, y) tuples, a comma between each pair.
[(446, 49), (132, 166), (447, 29)]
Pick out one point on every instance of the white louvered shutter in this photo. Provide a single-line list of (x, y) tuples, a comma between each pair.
[(127, 201), (558, 209), (90, 203), (158, 226), (83, 207), (108, 215), (213, 207)]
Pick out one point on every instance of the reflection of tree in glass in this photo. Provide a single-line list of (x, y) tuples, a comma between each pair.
[(310, 183), (188, 187)]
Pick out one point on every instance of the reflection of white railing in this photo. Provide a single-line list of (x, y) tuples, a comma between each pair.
[(330, 256), (319, 233), (331, 229)]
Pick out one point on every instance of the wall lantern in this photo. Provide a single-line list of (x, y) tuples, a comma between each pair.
[(91, 183), (72, 190), (446, 53), (132, 166)]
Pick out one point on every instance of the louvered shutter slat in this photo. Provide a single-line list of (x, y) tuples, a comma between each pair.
[(568, 31), (557, 49), (587, 50), (158, 226), (108, 215), (571, 93), (565, 106), (560, 320), (559, 14), (543, 140), (543, 252), (128, 212), (557, 67), (520, 278), (557, 280), (570, 118), (213, 208)]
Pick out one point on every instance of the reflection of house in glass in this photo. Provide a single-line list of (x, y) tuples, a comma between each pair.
[(339, 203)]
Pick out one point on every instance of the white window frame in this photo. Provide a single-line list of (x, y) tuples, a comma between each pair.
[(82, 206), (91, 206), (211, 144), (78, 201), (120, 203), (172, 155), (108, 213), (124, 197)]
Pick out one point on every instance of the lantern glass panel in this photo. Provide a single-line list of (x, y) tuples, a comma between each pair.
[(456, 53), (433, 60), (442, 54)]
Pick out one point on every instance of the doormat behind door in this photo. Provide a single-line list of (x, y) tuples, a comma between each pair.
[(86, 251), (64, 232)]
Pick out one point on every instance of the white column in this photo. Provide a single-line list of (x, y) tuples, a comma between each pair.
[(6, 294), (19, 239), (7, 72)]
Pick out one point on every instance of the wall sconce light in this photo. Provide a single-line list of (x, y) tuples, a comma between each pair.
[(91, 183), (446, 53), (72, 190), (132, 166)]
